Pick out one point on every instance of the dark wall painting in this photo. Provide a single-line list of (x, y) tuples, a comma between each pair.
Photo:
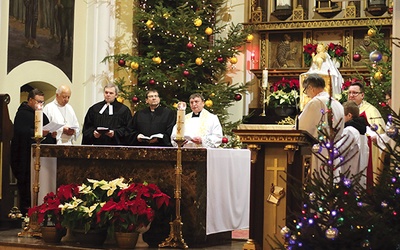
[(41, 30)]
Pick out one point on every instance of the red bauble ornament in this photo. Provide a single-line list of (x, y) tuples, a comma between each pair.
[(186, 73), (190, 45), (356, 57), (238, 97), (135, 99), (121, 62), (220, 59), (224, 140), (151, 81)]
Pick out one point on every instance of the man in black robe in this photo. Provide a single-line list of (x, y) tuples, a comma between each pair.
[(154, 120), (24, 127), (106, 122)]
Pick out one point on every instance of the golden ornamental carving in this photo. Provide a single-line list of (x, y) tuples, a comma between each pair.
[(314, 24), (273, 138)]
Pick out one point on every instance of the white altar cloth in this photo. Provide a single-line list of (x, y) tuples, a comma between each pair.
[(228, 187), (228, 190)]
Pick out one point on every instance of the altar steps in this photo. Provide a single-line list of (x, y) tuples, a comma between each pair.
[(10, 241)]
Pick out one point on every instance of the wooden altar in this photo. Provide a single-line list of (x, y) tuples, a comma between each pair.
[(73, 164), (278, 153)]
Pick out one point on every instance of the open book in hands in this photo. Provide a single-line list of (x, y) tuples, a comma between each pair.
[(102, 130), (143, 137)]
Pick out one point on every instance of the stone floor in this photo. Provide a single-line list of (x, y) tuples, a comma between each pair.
[(9, 240)]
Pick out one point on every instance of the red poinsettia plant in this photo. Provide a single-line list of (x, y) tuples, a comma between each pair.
[(49, 213), (133, 207), (285, 84), (308, 51), (335, 50)]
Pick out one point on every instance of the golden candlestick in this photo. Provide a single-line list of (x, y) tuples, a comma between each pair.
[(175, 238), (33, 228)]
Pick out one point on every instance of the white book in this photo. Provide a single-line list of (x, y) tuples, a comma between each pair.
[(52, 126), (143, 137)]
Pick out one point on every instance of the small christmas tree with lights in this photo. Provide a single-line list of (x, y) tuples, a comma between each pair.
[(337, 212), (184, 48), (331, 200)]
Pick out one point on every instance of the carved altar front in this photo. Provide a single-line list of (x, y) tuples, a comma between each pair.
[(204, 171), (279, 153)]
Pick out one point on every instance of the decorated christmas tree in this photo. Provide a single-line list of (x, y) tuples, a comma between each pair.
[(182, 48), (379, 65), (336, 211)]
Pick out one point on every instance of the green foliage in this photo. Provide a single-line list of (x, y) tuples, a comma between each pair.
[(177, 58), (376, 86)]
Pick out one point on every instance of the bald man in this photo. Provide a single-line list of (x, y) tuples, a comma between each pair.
[(59, 111)]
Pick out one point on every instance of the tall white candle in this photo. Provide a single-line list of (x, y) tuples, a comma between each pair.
[(38, 123), (264, 78), (180, 120)]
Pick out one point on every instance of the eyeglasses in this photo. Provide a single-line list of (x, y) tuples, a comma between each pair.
[(305, 89), (151, 96), (354, 93), (39, 101)]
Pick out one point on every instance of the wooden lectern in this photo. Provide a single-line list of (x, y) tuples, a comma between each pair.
[(277, 152)]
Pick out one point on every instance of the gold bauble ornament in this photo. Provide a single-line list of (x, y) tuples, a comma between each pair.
[(166, 15), (208, 31), (120, 99), (212, 94), (134, 65), (233, 60), (208, 103), (378, 76), (175, 105), (249, 38), (150, 24), (197, 22), (199, 61), (157, 60), (371, 32)]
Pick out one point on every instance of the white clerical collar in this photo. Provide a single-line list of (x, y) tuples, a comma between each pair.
[(110, 109)]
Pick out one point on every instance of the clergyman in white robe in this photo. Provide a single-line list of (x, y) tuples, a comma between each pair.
[(206, 126), (63, 115)]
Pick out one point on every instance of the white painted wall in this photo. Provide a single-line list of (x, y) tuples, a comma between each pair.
[(94, 27)]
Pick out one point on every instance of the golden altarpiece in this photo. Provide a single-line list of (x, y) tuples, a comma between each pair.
[(280, 151)]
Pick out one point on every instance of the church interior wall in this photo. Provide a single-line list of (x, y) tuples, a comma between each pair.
[(97, 33)]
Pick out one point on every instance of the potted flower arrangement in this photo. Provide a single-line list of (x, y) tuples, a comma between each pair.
[(49, 213), (337, 52), (109, 206), (131, 210), (79, 213), (284, 96)]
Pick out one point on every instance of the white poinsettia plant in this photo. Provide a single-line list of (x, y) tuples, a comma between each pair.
[(80, 212), (283, 98)]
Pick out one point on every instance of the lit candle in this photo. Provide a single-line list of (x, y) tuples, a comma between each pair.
[(265, 78), (180, 120), (39, 121)]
